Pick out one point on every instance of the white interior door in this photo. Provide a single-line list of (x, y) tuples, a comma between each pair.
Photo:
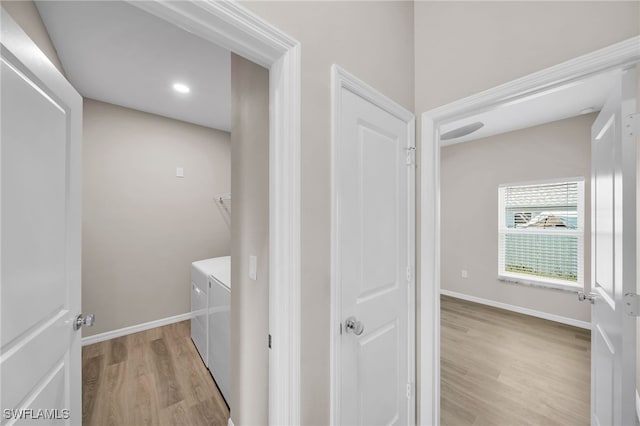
[(613, 337), (373, 184), (40, 361)]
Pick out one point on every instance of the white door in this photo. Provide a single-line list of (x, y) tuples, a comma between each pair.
[(40, 360), (373, 263), (613, 186)]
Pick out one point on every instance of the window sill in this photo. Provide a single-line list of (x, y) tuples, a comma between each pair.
[(572, 288)]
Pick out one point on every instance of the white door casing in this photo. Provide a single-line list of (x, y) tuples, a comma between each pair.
[(230, 25), (619, 55), (613, 248), (41, 134), (372, 257)]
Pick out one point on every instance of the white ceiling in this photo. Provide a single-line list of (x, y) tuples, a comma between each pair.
[(114, 52), (543, 107)]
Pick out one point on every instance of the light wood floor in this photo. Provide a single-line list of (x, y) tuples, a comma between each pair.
[(155, 377), (504, 368)]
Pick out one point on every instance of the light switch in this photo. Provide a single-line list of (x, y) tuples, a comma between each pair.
[(179, 172), (464, 273), (253, 268)]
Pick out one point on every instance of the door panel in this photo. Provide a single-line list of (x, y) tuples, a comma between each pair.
[(613, 258), (33, 175), (40, 234), (374, 251)]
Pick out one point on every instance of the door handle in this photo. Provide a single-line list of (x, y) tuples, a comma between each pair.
[(86, 320), (352, 325), (591, 297)]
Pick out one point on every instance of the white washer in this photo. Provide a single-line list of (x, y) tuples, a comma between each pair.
[(200, 272), (220, 326)]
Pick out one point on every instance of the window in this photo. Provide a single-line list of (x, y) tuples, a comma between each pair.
[(541, 233)]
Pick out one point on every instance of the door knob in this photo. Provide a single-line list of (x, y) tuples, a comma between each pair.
[(86, 320), (591, 297), (352, 325)]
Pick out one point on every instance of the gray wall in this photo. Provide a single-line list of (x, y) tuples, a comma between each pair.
[(470, 175), (249, 236), (638, 233), (142, 226), (374, 41), (465, 47)]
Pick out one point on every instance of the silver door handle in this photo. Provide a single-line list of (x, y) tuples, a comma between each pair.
[(86, 320), (352, 325), (591, 297)]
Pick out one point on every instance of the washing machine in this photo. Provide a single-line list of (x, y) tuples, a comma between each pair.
[(220, 326), (200, 272)]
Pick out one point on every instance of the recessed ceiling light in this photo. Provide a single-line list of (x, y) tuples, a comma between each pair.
[(587, 110), (181, 88)]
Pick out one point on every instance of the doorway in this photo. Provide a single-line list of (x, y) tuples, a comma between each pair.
[(514, 93), (258, 41)]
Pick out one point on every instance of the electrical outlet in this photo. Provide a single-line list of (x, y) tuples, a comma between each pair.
[(464, 273), (179, 172)]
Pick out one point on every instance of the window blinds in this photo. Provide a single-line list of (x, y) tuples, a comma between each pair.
[(541, 232)]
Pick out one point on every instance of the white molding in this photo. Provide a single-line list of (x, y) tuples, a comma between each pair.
[(231, 26), (230, 422), (519, 309), (108, 335), (284, 240), (638, 405), (619, 55), (341, 79)]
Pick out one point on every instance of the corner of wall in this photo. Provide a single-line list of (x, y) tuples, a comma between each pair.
[(26, 14)]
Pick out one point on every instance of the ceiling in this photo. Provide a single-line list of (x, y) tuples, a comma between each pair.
[(550, 105), (116, 53)]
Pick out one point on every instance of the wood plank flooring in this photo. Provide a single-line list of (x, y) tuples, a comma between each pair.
[(503, 368), (155, 377)]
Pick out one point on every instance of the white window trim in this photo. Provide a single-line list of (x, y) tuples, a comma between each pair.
[(526, 279)]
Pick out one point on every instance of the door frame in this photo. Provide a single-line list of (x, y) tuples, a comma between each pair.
[(232, 26), (618, 55), (341, 79)]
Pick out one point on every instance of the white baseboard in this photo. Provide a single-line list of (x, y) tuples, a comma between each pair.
[(520, 310), (134, 329), (230, 422)]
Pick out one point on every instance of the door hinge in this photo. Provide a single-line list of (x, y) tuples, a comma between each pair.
[(409, 273), (631, 304), (408, 390), (341, 329), (632, 124), (410, 153), (269, 341)]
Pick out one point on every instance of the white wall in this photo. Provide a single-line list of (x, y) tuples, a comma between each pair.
[(470, 175), (142, 226)]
